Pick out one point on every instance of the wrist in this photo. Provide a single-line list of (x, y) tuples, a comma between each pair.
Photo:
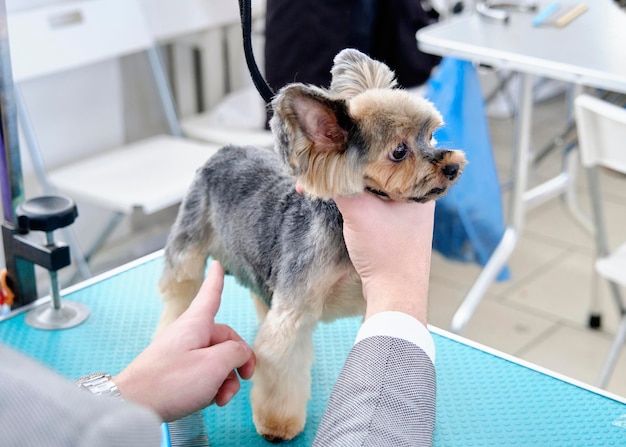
[(398, 325), (408, 298), (124, 386), (138, 388)]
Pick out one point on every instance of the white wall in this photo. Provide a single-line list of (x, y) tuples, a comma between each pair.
[(92, 109)]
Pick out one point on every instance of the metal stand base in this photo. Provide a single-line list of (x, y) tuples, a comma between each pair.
[(46, 317)]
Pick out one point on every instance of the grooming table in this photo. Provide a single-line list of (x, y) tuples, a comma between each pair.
[(483, 398)]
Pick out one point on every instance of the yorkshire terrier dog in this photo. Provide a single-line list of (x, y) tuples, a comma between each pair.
[(361, 134)]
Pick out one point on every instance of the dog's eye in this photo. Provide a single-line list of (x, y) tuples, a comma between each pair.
[(400, 153)]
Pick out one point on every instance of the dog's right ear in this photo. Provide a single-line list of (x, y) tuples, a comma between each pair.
[(311, 112), (311, 130)]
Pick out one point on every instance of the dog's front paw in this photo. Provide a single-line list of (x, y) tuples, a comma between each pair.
[(275, 427), (281, 385), (279, 412)]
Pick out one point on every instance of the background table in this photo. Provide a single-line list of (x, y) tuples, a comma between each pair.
[(589, 52), (483, 398)]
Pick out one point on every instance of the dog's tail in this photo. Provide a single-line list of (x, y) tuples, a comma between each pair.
[(353, 72)]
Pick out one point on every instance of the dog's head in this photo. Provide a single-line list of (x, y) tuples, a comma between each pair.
[(362, 133)]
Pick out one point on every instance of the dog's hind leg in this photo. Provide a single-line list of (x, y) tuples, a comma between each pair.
[(179, 284), (185, 256), (259, 306), (282, 378)]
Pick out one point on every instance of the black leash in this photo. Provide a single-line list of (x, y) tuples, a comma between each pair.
[(245, 11)]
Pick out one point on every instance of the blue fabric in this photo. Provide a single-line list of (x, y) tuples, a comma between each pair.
[(468, 220)]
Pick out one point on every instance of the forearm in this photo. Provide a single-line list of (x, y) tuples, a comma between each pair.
[(41, 408), (385, 395)]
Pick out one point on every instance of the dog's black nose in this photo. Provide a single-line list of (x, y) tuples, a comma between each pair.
[(450, 171)]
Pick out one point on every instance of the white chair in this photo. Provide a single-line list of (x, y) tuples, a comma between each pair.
[(602, 141), (231, 111), (149, 175)]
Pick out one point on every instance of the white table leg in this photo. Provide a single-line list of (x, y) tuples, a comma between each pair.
[(507, 244)]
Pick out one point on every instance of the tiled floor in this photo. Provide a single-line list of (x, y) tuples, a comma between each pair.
[(541, 314)]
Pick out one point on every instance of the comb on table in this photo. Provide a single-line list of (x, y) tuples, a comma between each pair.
[(189, 431)]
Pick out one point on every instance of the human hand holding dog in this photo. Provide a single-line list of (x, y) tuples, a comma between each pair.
[(193, 362), (390, 245)]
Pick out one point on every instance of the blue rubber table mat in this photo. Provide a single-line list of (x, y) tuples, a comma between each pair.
[(482, 398)]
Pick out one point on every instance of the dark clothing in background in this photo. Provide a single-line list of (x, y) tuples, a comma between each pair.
[(303, 37), (394, 41)]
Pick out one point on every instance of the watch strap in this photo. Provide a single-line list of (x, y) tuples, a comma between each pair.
[(99, 383)]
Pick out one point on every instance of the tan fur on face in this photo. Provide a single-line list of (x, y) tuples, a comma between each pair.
[(344, 140), (387, 119), (394, 180), (319, 154), (329, 175)]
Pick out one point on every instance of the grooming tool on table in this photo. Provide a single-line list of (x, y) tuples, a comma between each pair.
[(545, 13), (186, 432), (570, 15)]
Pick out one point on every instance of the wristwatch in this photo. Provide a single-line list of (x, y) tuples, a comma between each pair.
[(99, 383)]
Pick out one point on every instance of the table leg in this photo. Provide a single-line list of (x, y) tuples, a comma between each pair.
[(613, 355), (507, 244)]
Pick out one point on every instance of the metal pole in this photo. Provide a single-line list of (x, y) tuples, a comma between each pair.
[(163, 87), (54, 280), (21, 273)]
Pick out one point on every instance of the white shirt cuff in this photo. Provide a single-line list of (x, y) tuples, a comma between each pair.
[(398, 325)]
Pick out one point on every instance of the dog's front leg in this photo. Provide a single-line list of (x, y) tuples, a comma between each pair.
[(282, 379)]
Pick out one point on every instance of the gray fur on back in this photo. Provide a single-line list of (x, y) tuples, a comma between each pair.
[(247, 207)]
